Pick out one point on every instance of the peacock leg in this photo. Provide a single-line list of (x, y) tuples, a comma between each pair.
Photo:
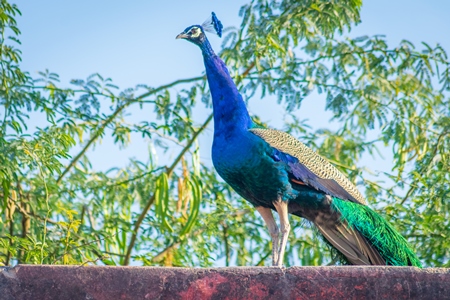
[(282, 209), (267, 215)]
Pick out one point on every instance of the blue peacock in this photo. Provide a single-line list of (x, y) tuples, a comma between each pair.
[(276, 172)]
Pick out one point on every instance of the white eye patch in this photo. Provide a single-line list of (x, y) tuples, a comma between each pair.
[(195, 32)]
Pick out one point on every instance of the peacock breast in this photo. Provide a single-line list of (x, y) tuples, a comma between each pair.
[(244, 162)]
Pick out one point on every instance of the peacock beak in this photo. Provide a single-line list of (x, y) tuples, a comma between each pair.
[(182, 36)]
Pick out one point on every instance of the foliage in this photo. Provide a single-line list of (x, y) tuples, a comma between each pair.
[(56, 209)]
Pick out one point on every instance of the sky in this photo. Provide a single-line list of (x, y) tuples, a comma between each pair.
[(133, 42)]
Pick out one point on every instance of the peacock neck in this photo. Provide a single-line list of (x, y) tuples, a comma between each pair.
[(230, 112)]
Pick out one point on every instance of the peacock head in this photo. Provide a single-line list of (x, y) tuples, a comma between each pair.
[(196, 33)]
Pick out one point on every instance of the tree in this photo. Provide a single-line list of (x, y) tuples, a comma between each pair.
[(57, 210)]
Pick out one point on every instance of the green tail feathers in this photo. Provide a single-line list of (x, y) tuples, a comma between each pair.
[(390, 244)]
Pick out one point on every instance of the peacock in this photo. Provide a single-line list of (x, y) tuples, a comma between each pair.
[(276, 172)]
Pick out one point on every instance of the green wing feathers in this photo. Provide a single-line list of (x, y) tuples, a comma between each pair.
[(392, 246)]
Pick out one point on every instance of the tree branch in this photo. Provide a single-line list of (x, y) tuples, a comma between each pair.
[(150, 201), (227, 245), (114, 115), (175, 244), (413, 188)]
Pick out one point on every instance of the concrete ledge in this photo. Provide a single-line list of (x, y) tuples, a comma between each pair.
[(95, 282)]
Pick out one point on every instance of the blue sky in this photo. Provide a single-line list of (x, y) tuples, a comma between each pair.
[(134, 42)]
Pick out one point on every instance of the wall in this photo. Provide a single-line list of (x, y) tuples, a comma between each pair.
[(96, 282)]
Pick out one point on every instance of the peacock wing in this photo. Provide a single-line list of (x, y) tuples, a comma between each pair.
[(308, 167)]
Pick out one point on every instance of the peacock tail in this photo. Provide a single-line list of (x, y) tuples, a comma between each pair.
[(392, 246)]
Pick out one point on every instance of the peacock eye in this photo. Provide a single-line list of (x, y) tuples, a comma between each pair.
[(193, 31)]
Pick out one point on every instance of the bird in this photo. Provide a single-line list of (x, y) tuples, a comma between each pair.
[(275, 172)]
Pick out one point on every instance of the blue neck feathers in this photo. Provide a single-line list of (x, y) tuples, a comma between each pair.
[(230, 112)]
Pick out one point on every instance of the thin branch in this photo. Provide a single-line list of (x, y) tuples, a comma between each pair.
[(427, 236), (114, 254), (56, 89), (98, 240), (92, 140), (31, 214), (261, 261), (227, 245), (134, 178), (114, 115), (413, 188), (26, 220), (161, 254), (175, 244), (11, 234), (166, 137)]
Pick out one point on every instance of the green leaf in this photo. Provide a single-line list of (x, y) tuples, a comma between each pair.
[(162, 201), (194, 204), (109, 262), (5, 184)]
